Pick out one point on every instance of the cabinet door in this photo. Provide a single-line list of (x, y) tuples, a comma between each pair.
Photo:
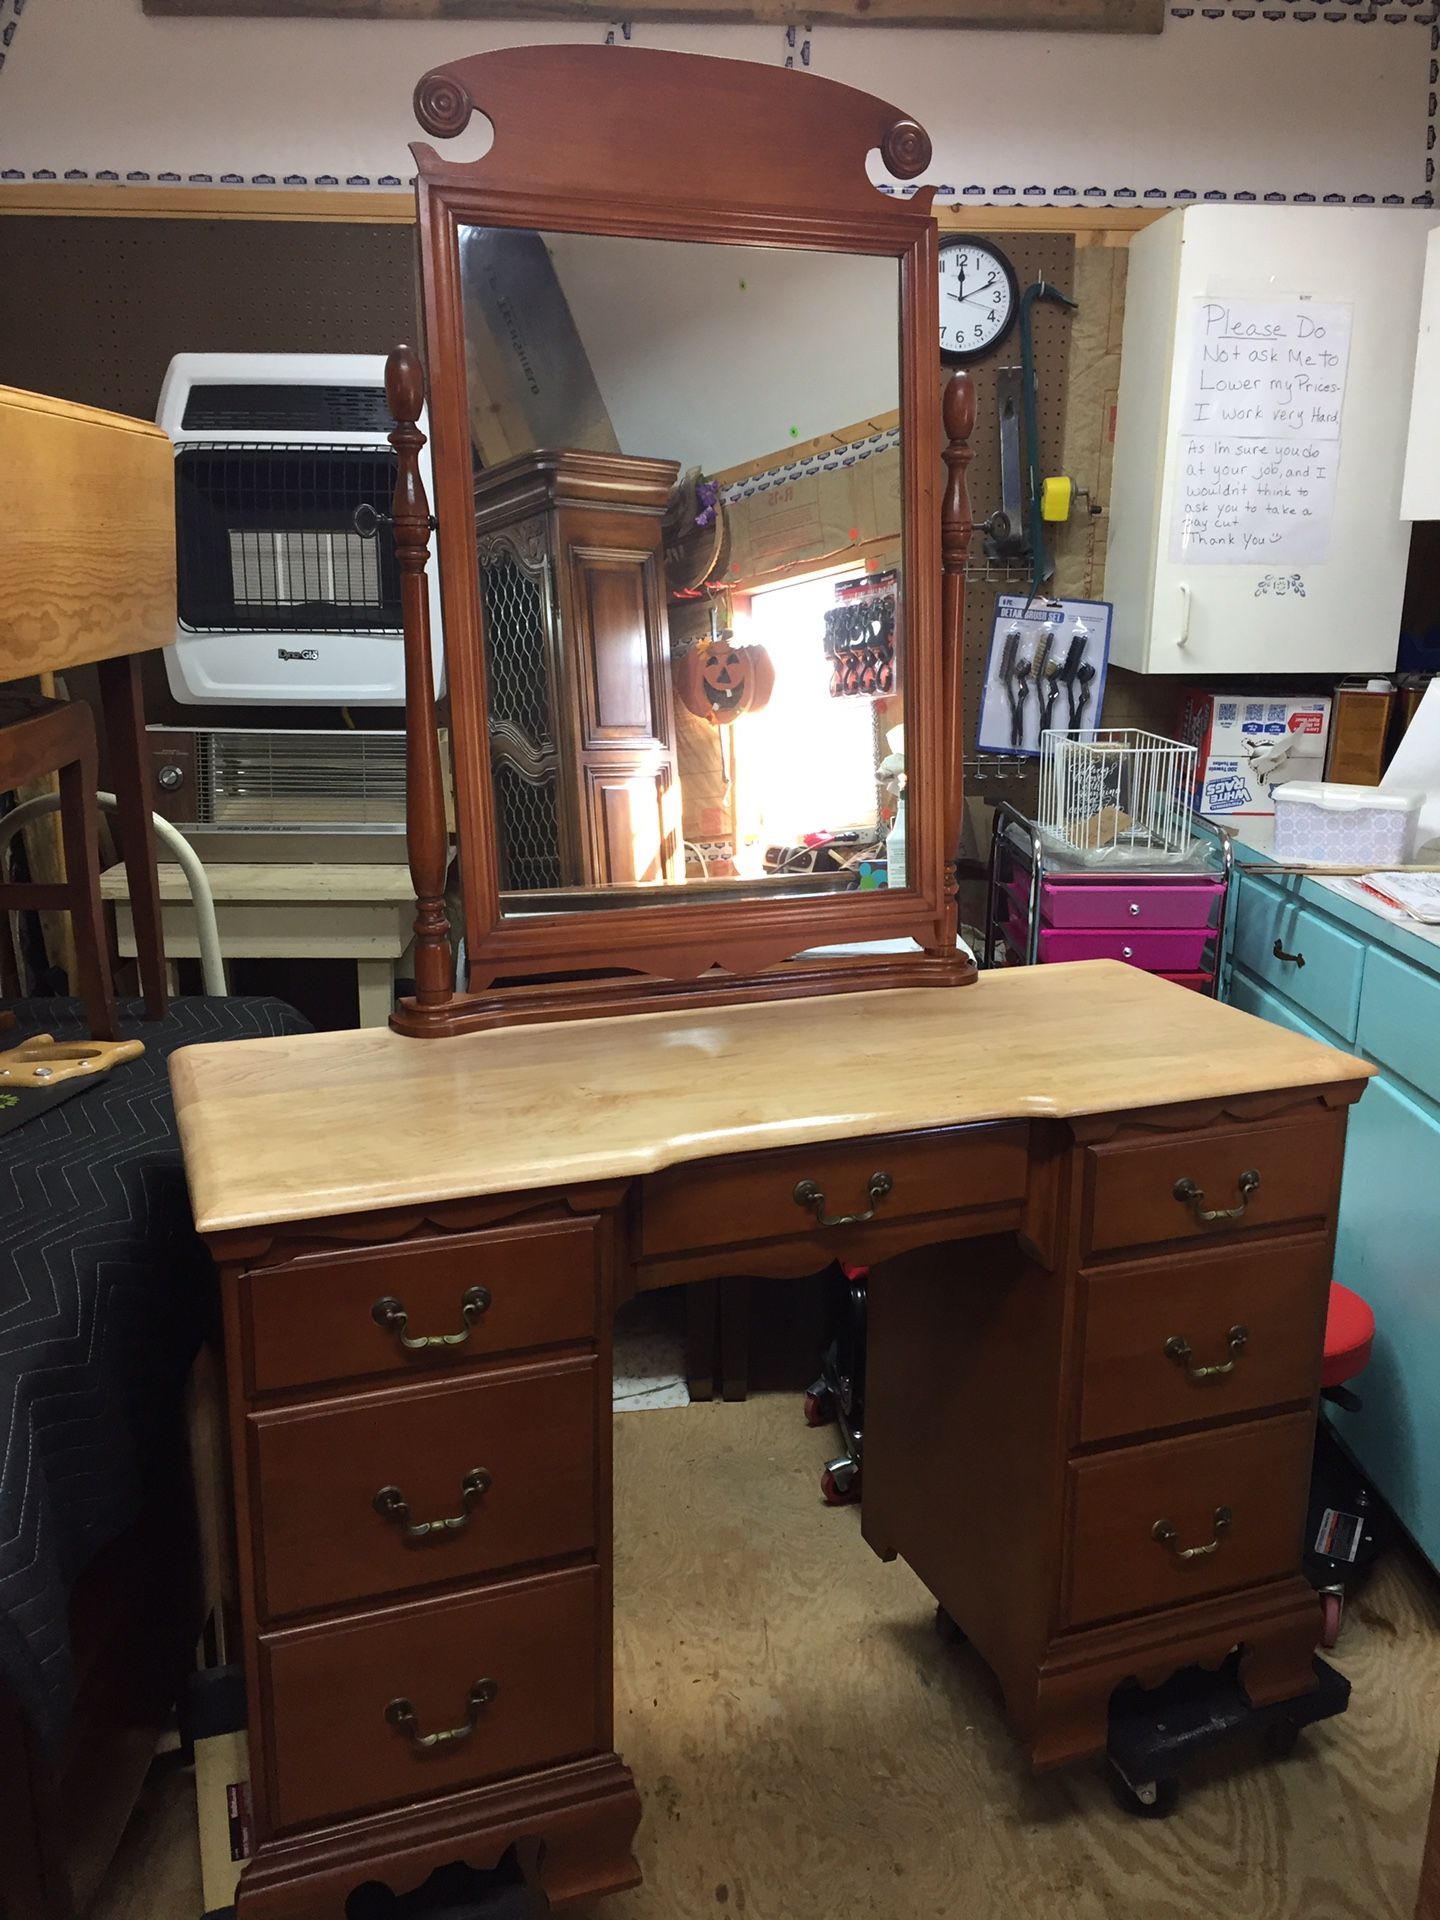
[(1258, 614), (634, 832), (1387, 1251)]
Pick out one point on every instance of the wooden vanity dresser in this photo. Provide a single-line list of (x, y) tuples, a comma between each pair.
[(1098, 1212)]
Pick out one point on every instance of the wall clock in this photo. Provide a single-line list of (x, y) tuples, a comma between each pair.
[(979, 297)]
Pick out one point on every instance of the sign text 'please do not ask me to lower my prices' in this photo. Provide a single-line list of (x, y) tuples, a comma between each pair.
[(1260, 435)]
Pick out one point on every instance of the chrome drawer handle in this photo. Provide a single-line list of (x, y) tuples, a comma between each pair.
[(807, 1194), (389, 1314), (1194, 1197), (1177, 1347), (1294, 959), (401, 1713), (1167, 1536), (391, 1504)]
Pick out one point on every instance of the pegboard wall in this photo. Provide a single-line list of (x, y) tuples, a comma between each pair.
[(1034, 256), (120, 297)]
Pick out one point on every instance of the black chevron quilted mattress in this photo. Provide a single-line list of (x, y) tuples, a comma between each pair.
[(104, 1292)]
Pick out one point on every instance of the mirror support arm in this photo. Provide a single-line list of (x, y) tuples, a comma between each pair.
[(424, 789), (956, 528)]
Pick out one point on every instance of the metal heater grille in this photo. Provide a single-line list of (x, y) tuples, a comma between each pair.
[(266, 540), (285, 781), (234, 407)]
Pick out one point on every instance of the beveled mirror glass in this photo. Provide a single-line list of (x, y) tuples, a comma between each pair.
[(689, 545)]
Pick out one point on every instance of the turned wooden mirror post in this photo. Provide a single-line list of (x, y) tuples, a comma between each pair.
[(512, 248), (425, 833)]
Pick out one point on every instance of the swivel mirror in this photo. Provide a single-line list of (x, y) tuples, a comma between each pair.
[(686, 443)]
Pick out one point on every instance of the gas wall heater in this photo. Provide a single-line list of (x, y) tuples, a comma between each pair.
[(281, 602)]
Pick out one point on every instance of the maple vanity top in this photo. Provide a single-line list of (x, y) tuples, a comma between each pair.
[(311, 1125)]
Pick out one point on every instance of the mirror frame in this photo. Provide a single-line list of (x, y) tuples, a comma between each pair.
[(781, 162)]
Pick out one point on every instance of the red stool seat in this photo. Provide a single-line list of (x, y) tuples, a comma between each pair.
[(1349, 1335)]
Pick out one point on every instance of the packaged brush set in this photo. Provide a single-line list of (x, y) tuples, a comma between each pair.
[(1045, 671)]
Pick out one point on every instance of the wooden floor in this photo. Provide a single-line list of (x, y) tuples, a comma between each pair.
[(805, 1746)]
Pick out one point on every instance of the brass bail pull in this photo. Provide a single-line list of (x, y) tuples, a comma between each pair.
[(1193, 1196), (809, 1195), (1177, 1348), (1167, 1536), (401, 1713), (391, 1315), (391, 1504)]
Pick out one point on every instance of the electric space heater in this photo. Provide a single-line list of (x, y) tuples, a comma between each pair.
[(281, 601)]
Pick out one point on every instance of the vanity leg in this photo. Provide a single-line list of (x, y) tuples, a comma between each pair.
[(702, 1337), (735, 1337)]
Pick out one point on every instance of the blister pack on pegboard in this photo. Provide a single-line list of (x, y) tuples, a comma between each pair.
[(862, 637)]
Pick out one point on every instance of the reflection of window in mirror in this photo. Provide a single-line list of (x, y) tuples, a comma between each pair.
[(805, 773)]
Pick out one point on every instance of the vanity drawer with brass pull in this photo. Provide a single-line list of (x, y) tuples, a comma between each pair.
[(401, 1703), (421, 1306), (1209, 1335), (805, 1191), (376, 1493), (1156, 1525), (1226, 1182)]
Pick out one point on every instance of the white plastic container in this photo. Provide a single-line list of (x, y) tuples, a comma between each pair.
[(1326, 824)]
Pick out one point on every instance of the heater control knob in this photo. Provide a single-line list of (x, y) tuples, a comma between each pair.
[(170, 777)]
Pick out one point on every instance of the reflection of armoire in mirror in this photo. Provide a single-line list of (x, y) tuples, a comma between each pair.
[(582, 736)]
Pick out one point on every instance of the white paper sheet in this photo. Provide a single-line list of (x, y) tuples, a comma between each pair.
[(1416, 766), (1260, 432)]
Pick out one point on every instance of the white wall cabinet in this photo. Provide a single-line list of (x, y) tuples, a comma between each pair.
[(1322, 600)]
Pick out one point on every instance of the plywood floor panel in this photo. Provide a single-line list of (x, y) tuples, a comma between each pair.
[(805, 1746)]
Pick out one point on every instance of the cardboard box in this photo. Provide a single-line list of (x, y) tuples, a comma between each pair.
[(1249, 743)]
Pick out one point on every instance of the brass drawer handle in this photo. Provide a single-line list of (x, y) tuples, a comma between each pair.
[(1194, 1197), (1294, 959), (389, 1314), (1177, 1347), (1167, 1536), (391, 1504), (401, 1713), (807, 1194)]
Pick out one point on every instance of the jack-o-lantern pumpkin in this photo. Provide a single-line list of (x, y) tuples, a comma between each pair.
[(719, 681)]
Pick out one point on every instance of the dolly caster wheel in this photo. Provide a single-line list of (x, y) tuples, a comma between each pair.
[(1332, 1612), (949, 1630), (1147, 1800), (840, 1483), (1280, 1738), (819, 1405)]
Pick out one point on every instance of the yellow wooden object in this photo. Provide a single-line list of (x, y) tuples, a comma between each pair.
[(44, 1061), (87, 562), (1056, 493)]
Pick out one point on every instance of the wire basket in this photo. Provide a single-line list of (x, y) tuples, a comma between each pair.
[(1116, 794)]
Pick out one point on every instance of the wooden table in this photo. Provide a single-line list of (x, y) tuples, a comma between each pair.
[(1099, 1215), (363, 913)]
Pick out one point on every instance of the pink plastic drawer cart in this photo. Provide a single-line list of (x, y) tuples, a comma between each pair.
[(1045, 903)]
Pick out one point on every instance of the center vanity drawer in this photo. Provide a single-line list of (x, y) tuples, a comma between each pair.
[(379, 1492), (396, 1705), (1205, 1336), (770, 1196), (421, 1304), (1260, 1176), (1157, 1525)]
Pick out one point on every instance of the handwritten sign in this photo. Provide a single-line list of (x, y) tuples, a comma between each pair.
[(1259, 438)]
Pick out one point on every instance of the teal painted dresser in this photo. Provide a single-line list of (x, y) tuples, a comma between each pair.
[(1306, 957)]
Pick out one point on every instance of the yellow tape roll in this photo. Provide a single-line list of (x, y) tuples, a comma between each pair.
[(1055, 496)]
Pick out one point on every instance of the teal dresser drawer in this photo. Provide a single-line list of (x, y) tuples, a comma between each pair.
[(1400, 1020), (1322, 976), (1253, 998)]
